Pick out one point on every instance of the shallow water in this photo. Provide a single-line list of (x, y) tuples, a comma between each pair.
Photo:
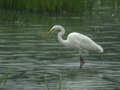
[(31, 59)]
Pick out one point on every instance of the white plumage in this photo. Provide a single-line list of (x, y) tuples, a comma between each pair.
[(82, 42), (76, 41)]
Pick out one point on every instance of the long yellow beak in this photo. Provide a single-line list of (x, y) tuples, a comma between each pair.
[(48, 34)]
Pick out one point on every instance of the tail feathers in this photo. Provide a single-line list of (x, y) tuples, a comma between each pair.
[(101, 50)]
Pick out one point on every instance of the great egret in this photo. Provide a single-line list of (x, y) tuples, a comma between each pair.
[(76, 41)]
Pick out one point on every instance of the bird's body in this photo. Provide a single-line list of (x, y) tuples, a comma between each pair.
[(81, 42), (76, 41)]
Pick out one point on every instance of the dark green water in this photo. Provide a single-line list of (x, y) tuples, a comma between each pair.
[(30, 57)]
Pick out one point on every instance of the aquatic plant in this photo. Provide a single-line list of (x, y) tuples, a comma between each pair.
[(4, 78), (59, 87), (45, 5), (46, 82), (60, 82), (57, 6)]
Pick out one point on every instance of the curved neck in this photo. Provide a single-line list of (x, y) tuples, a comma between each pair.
[(60, 34)]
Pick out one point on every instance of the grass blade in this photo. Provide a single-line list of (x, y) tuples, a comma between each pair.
[(60, 82), (46, 82), (3, 79)]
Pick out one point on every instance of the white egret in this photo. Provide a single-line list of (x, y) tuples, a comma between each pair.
[(76, 41)]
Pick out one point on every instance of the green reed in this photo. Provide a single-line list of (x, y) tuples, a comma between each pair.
[(59, 87), (44, 5), (4, 78), (46, 82), (57, 6), (60, 82)]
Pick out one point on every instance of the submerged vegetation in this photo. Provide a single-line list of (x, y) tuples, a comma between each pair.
[(56, 6)]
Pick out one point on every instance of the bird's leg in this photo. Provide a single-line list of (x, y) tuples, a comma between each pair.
[(82, 62)]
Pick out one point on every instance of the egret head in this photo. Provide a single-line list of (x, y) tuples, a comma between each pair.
[(57, 28), (54, 28)]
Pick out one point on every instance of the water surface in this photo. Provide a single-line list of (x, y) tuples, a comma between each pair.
[(32, 58)]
